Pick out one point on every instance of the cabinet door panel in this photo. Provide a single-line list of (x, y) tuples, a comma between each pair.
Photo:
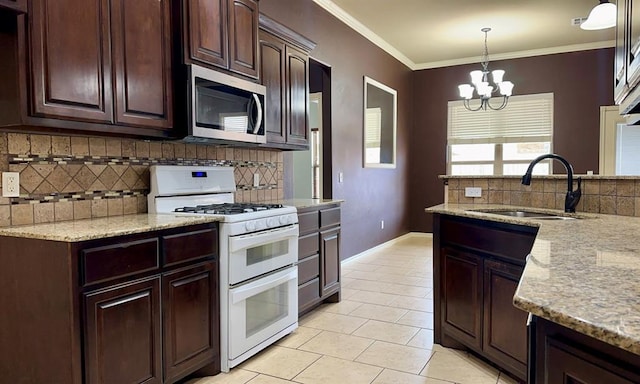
[(505, 330), (272, 75), (633, 58), (243, 37), (462, 296), (191, 326), (207, 31), (297, 69), (122, 339), (330, 260), (619, 67), (142, 61), (71, 62)]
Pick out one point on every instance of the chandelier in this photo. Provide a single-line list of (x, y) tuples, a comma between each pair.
[(480, 83)]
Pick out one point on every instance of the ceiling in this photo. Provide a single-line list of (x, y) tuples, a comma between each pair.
[(434, 33)]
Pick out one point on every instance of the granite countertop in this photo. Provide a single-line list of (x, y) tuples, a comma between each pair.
[(583, 274), (307, 203), (89, 229)]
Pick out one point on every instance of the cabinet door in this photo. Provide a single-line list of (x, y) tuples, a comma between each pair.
[(297, 105), (462, 296), (15, 5), (272, 68), (141, 46), (633, 57), (122, 338), (207, 31), (71, 61), (191, 320), (329, 260), (243, 37), (620, 69), (505, 331)]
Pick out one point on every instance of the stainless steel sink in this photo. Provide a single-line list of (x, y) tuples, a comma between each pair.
[(528, 214)]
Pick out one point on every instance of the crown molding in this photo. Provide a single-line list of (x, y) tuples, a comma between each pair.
[(518, 54), (357, 26)]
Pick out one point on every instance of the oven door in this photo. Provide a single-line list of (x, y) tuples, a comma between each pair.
[(260, 309), (258, 253)]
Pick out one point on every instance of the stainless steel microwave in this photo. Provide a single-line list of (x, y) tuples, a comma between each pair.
[(223, 108)]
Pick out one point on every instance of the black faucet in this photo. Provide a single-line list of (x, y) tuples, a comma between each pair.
[(573, 197)]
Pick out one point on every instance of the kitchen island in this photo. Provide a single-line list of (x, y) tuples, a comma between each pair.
[(582, 275)]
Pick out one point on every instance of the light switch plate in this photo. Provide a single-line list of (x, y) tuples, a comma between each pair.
[(473, 192)]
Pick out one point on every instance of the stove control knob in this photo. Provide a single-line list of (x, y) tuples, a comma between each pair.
[(272, 222), (260, 224), (250, 226), (284, 220)]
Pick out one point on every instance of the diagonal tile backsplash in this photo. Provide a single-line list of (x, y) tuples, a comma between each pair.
[(76, 177)]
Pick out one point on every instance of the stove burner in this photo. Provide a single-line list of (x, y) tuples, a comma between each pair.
[(228, 208)]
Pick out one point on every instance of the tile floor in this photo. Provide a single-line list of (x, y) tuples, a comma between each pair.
[(380, 333)]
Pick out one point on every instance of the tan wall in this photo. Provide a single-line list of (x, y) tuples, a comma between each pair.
[(615, 196), (78, 177)]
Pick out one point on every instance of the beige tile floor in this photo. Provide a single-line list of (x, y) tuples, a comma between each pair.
[(380, 333)]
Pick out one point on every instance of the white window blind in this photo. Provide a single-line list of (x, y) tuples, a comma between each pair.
[(526, 118)]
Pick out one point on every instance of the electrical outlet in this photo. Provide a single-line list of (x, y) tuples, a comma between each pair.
[(473, 192), (256, 180), (10, 184), (381, 224)]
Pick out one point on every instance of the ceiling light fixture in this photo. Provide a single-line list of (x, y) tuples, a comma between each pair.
[(602, 16), (480, 80)]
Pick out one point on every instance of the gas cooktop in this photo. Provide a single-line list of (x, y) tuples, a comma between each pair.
[(228, 208)]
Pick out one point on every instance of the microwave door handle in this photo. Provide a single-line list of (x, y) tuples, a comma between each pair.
[(258, 106)]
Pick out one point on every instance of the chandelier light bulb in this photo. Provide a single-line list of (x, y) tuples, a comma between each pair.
[(476, 77), (506, 88), (466, 91), (497, 76)]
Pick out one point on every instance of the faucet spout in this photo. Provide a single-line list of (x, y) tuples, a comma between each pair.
[(573, 197)]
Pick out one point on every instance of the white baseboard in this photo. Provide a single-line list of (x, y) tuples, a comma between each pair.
[(386, 245)]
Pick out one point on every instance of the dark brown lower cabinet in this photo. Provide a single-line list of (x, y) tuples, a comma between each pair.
[(477, 266), (123, 331), (191, 337), (139, 308), (318, 256), (564, 356)]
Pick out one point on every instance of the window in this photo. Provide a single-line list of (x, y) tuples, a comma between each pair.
[(627, 150), (500, 142)]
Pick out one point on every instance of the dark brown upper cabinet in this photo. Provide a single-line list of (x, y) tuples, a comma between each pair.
[(111, 64), (284, 56), (90, 65), (19, 6), (222, 34)]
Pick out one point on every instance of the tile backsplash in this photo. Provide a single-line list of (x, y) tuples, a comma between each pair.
[(77, 177), (614, 195)]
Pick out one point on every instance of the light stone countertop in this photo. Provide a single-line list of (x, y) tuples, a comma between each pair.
[(307, 203), (583, 274), (89, 229)]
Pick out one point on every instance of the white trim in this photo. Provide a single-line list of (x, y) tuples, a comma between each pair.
[(385, 245), (357, 26)]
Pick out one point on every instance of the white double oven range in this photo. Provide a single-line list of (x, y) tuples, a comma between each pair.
[(258, 250)]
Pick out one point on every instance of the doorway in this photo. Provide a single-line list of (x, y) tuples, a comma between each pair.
[(311, 170)]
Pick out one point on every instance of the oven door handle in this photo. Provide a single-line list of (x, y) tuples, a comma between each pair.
[(244, 292), (237, 243)]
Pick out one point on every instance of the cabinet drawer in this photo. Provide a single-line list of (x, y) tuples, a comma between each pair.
[(189, 246), (118, 260), (308, 269), (308, 221), (308, 294), (508, 241), (308, 245), (329, 217)]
